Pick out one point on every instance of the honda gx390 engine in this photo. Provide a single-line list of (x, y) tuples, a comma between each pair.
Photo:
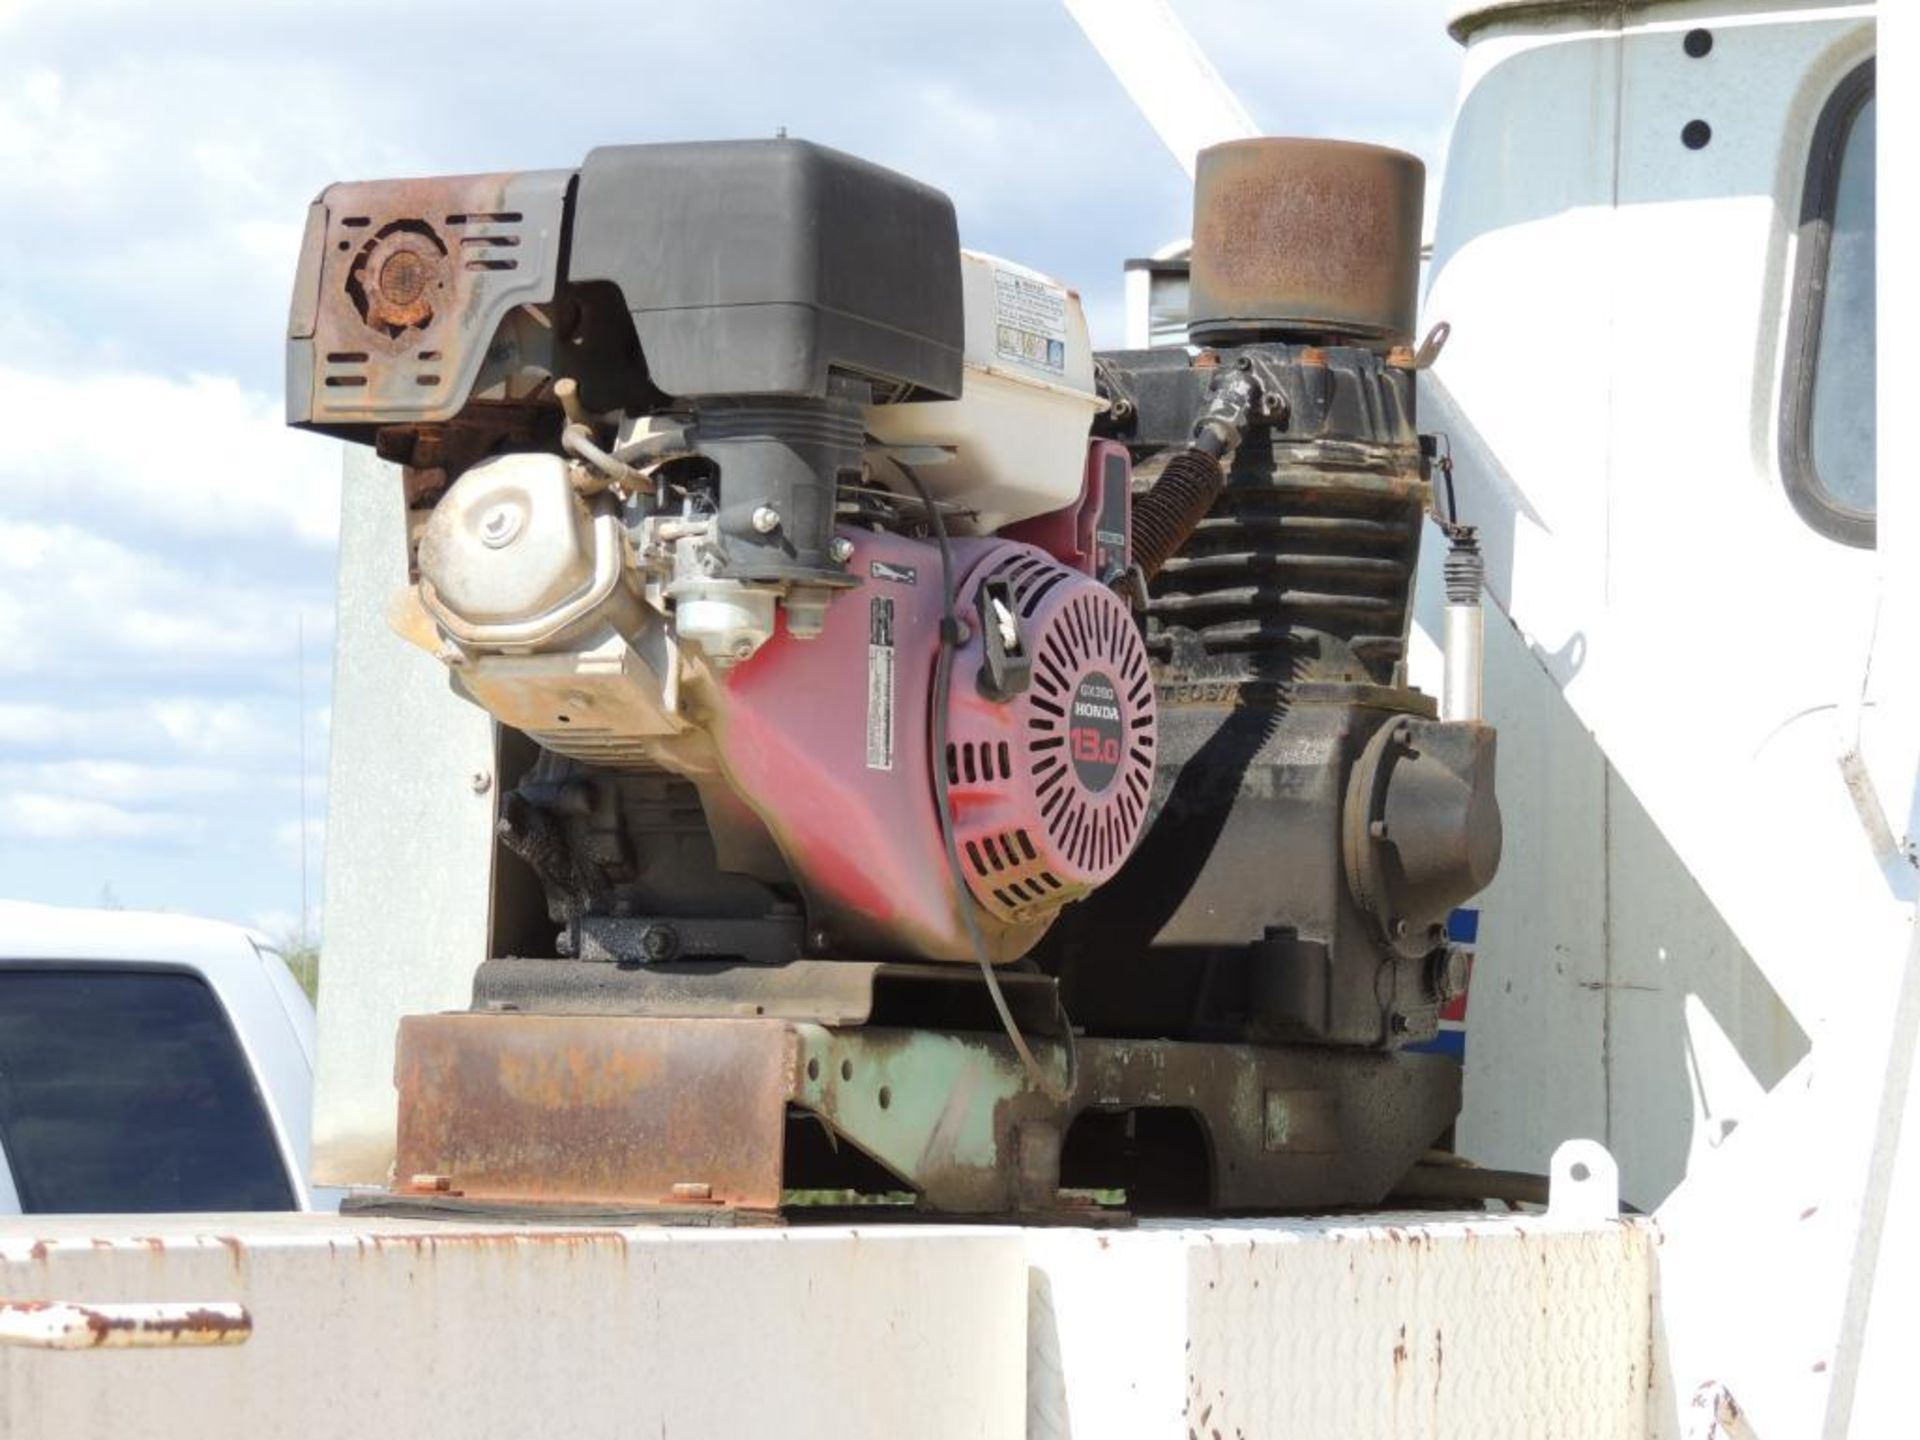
[(935, 759)]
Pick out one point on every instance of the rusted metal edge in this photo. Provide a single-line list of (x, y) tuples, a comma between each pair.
[(1468, 20), (64, 1325), (402, 285), (557, 1213)]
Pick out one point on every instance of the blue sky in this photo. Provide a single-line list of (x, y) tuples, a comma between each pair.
[(164, 539)]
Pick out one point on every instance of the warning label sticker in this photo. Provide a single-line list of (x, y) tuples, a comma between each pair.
[(880, 652), (1029, 320)]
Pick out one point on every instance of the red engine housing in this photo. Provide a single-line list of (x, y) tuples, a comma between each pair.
[(829, 741)]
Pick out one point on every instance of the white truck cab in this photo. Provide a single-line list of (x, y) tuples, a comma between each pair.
[(149, 1063)]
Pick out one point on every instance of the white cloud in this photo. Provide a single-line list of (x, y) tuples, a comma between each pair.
[(225, 728), (198, 459), (287, 836), (31, 815), (119, 781), (75, 602), (247, 736)]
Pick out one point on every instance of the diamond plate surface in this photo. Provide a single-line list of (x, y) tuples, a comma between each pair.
[(1398, 1327), (453, 1330), (1345, 1329)]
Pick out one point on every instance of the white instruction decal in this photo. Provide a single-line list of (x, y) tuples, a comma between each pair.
[(1029, 320), (880, 684)]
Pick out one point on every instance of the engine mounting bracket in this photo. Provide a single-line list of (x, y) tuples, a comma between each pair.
[(641, 1113)]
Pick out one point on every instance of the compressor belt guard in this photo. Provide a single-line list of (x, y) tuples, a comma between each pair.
[(701, 446)]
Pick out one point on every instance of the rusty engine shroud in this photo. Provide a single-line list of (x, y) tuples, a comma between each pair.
[(697, 997)]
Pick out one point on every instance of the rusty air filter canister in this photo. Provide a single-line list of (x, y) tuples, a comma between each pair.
[(1305, 239)]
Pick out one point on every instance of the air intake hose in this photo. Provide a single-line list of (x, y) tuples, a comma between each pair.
[(1168, 514)]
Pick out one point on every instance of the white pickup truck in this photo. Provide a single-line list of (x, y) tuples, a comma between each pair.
[(149, 1063)]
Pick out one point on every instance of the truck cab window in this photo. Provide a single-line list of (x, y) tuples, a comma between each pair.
[(1827, 430), (126, 1090)]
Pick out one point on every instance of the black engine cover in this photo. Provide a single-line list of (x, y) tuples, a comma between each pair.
[(753, 267)]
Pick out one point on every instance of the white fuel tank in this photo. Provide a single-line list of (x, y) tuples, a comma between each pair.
[(1014, 444)]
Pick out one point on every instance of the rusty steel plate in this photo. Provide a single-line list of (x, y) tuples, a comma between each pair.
[(402, 285), (1305, 238), (591, 1109)]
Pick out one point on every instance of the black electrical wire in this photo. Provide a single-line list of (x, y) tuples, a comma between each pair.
[(1444, 444), (951, 634)]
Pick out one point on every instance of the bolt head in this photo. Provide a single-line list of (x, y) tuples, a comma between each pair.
[(659, 942), (481, 782), (841, 549), (766, 519), (500, 526)]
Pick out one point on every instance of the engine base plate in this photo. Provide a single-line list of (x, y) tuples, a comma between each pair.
[(679, 1114), (826, 992)]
